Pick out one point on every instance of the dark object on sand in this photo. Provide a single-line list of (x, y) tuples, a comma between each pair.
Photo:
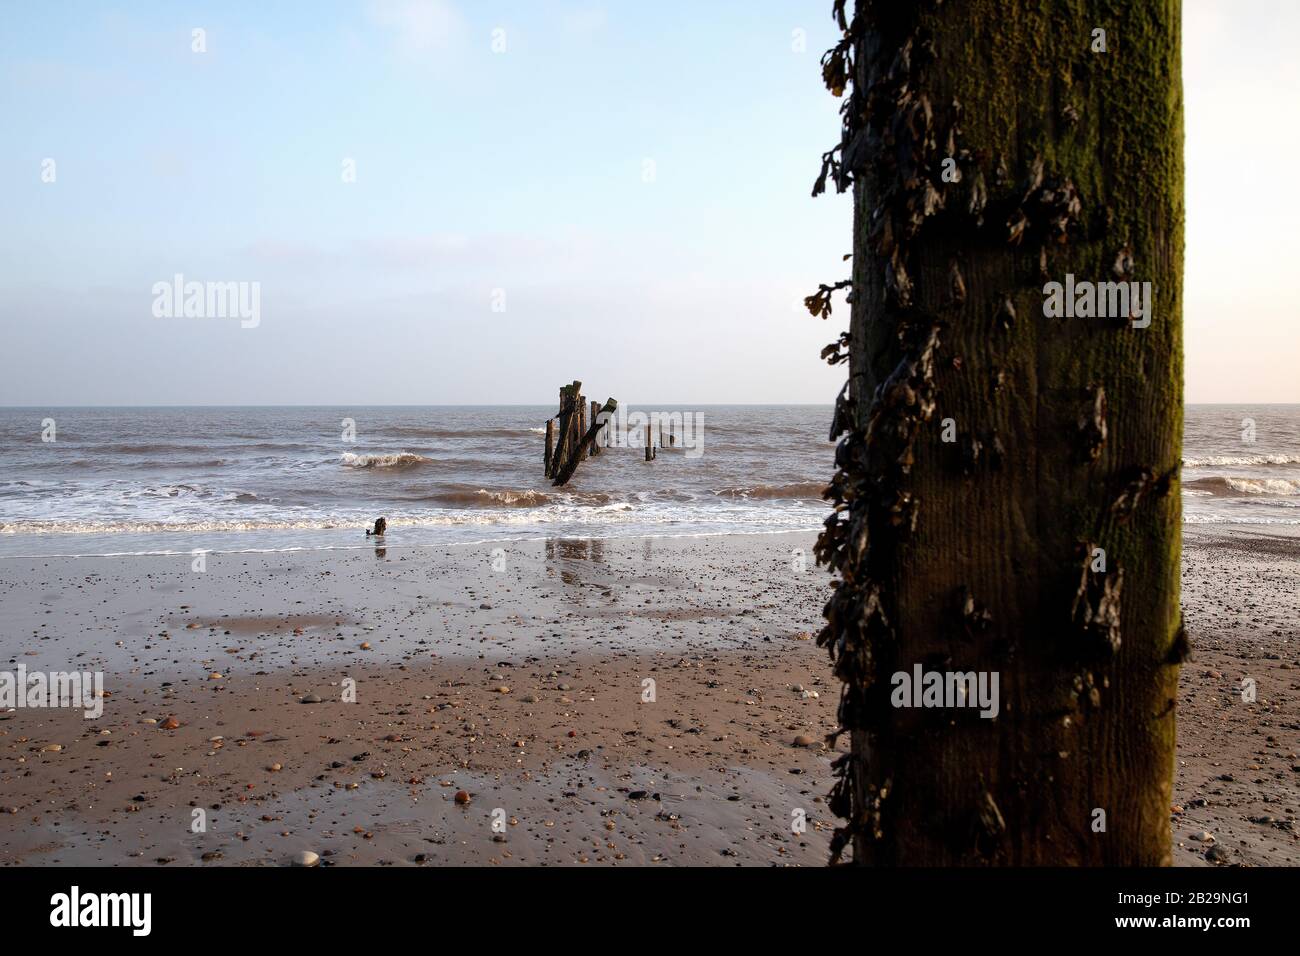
[(380, 527)]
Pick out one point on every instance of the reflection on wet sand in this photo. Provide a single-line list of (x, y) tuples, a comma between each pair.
[(563, 552)]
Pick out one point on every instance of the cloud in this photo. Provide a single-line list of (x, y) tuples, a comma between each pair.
[(419, 27)]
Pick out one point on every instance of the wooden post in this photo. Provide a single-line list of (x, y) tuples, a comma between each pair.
[(564, 469), (583, 412), (565, 428), (550, 445), (672, 434), (595, 442), (649, 443)]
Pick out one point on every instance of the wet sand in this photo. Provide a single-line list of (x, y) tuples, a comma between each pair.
[(515, 675), (519, 682), (1238, 772)]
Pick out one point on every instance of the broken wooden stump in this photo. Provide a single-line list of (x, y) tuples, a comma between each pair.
[(568, 427), (577, 451)]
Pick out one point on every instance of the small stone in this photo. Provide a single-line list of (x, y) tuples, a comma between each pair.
[(803, 740), (305, 858), (503, 689), (462, 797), (365, 645), (171, 723), (1217, 854), (51, 748), (311, 699), (275, 768)]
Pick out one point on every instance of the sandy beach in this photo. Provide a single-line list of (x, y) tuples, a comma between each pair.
[(623, 701)]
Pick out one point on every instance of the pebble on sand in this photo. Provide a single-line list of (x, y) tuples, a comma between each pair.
[(462, 797), (171, 723), (305, 858)]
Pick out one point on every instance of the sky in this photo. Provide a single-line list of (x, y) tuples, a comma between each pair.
[(446, 202)]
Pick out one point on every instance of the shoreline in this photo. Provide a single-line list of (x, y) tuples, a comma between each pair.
[(1200, 533), (369, 544)]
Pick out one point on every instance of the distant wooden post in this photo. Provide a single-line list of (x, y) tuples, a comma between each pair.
[(595, 442), (572, 435), (564, 469), (583, 412), (649, 443), (564, 432), (672, 434)]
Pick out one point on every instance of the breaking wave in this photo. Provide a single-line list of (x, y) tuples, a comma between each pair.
[(1222, 486), (400, 460), (807, 489), (1212, 460)]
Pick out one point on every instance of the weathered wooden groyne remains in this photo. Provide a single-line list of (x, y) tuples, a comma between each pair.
[(573, 434)]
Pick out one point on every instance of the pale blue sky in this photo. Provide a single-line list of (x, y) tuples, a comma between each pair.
[(521, 171)]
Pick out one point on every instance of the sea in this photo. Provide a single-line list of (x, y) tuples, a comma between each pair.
[(114, 481)]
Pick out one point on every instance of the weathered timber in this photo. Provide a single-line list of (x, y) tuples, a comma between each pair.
[(569, 397), (582, 420), (566, 468), (1069, 160)]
